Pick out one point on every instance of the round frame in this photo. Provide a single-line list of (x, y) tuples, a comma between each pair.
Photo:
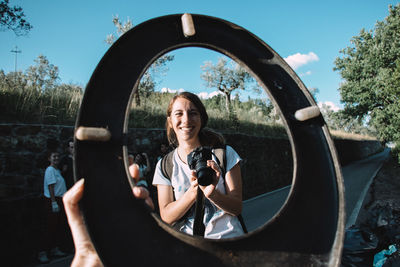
[(309, 228)]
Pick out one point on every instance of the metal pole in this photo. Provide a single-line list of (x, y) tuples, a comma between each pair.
[(16, 51)]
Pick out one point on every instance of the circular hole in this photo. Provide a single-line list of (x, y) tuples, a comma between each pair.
[(247, 119)]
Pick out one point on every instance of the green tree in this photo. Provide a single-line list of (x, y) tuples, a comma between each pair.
[(158, 68), (338, 120), (42, 76), (370, 69), (13, 18), (15, 80), (226, 76)]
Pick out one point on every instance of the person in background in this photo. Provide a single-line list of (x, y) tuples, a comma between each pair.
[(164, 149), (139, 168), (66, 164), (142, 160), (53, 189), (66, 167)]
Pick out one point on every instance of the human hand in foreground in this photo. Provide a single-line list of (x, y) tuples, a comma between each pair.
[(85, 253)]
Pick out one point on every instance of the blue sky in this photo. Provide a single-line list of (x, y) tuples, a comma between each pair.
[(308, 34)]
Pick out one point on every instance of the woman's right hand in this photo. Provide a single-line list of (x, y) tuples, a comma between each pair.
[(172, 210), (194, 184), (210, 189)]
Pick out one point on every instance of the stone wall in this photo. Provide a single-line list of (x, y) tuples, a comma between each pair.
[(23, 157), (267, 165), (352, 150)]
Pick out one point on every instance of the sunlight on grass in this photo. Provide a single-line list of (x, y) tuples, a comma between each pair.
[(352, 136), (26, 105), (58, 106), (152, 114)]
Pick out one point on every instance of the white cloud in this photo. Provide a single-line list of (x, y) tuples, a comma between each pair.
[(328, 105), (297, 60), (169, 90), (205, 95), (307, 73), (212, 94)]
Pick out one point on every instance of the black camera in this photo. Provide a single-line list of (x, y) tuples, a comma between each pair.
[(197, 160)]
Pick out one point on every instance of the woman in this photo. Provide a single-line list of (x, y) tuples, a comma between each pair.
[(186, 119), (53, 190)]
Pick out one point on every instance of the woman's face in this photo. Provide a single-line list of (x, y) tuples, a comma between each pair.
[(54, 159), (185, 120)]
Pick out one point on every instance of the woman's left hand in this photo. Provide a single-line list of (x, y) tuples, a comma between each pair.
[(209, 190)]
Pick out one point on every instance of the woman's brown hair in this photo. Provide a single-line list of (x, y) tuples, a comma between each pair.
[(207, 136)]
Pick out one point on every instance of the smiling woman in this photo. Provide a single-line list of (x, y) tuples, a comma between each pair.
[(177, 194)]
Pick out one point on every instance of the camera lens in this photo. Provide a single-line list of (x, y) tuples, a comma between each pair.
[(205, 176), (197, 160)]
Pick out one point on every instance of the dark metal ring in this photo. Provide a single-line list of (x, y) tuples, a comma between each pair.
[(309, 228)]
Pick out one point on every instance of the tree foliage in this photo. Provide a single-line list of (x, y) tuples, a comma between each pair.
[(13, 18), (158, 68), (370, 69), (226, 76), (36, 95), (43, 76), (340, 121)]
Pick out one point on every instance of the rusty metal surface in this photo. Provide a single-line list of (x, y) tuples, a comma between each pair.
[(309, 228)]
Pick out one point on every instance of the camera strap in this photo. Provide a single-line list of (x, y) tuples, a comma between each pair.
[(198, 225)]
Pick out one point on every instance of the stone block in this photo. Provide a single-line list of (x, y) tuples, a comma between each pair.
[(22, 130), (34, 183), (10, 192), (6, 129), (31, 143), (13, 180), (66, 133), (18, 163), (8, 143)]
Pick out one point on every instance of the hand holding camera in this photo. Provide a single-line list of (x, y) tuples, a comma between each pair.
[(200, 160)]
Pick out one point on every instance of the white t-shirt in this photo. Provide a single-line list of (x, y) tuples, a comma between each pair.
[(53, 176), (218, 223)]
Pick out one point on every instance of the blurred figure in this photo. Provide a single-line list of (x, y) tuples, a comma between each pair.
[(139, 168), (164, 149), (66, 164), (66, 167)]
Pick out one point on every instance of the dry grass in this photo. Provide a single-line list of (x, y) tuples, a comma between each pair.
[(61, 106), (351, 136), (27, 105)]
